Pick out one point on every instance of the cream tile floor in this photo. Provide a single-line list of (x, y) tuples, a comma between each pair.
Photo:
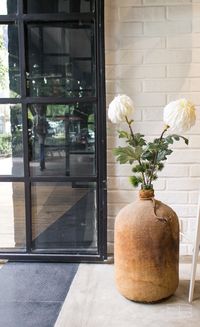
[(93, 301)]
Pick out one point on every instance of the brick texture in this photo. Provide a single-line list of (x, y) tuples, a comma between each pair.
[(153, 55)]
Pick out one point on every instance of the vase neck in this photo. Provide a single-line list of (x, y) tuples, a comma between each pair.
[(146, 194)]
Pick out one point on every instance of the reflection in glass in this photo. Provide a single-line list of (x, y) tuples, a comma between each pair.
[(9, 62), (62, 140), (64, 216), (12, 216), (61, 61), (11, 142), (60, 6), (8, 7)]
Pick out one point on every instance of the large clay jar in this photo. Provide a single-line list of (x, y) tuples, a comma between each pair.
[(146, 250)]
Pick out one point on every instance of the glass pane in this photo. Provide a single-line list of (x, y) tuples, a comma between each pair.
[(11, 140), (62, 140), (60, 6), (61, 60), (8, 7), (64, 216), (9, 62), (12, 216)]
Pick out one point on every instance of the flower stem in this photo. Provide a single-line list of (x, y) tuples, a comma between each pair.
[(143, 176), (130, 128), (156, 155), (132, 135)]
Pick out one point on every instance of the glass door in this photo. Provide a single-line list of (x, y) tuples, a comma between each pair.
[(52, 130)]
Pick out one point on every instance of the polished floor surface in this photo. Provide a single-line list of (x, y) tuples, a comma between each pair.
[(93, 301)]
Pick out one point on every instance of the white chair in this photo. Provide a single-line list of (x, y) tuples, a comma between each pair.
[(195, 254)]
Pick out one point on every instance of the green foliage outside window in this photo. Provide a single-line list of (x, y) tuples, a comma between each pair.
[(5, 145)]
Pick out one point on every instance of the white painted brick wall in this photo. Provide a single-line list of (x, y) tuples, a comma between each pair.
[(153, 55), (133, 13)]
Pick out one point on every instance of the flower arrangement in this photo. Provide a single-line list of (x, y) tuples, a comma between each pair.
[(148, 158)]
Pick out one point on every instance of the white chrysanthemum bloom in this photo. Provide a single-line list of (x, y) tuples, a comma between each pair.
[(120, 108), (180, 115)]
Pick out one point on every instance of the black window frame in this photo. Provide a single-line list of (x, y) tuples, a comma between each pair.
[(20, 18)]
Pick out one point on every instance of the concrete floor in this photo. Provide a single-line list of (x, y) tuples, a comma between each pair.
[(93, 301)]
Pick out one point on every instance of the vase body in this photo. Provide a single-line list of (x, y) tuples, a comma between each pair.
[(146, 251)]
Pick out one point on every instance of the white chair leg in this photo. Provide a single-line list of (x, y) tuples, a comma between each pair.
[(195, 257), (193, 274)]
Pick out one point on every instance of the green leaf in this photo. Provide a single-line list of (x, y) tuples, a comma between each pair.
[(169, 139), (125, 154), (177, 138), (154, 177), (138, 169), (139, 138), (161, 156), (138, 152), (160, 166), (168, 152), (123, 134), (185, 139), (135, 180)]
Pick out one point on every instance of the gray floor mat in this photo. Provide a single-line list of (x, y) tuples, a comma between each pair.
[(31, 294)]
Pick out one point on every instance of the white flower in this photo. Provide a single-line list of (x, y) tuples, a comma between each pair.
[(120, 109), (180, 115)]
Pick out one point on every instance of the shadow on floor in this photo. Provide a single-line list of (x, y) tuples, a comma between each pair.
[(75, 229)]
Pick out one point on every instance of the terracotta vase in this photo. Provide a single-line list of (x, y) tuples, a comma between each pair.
[(146, 250)]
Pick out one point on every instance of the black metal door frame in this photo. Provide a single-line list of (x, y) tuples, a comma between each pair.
[(98, 18)]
